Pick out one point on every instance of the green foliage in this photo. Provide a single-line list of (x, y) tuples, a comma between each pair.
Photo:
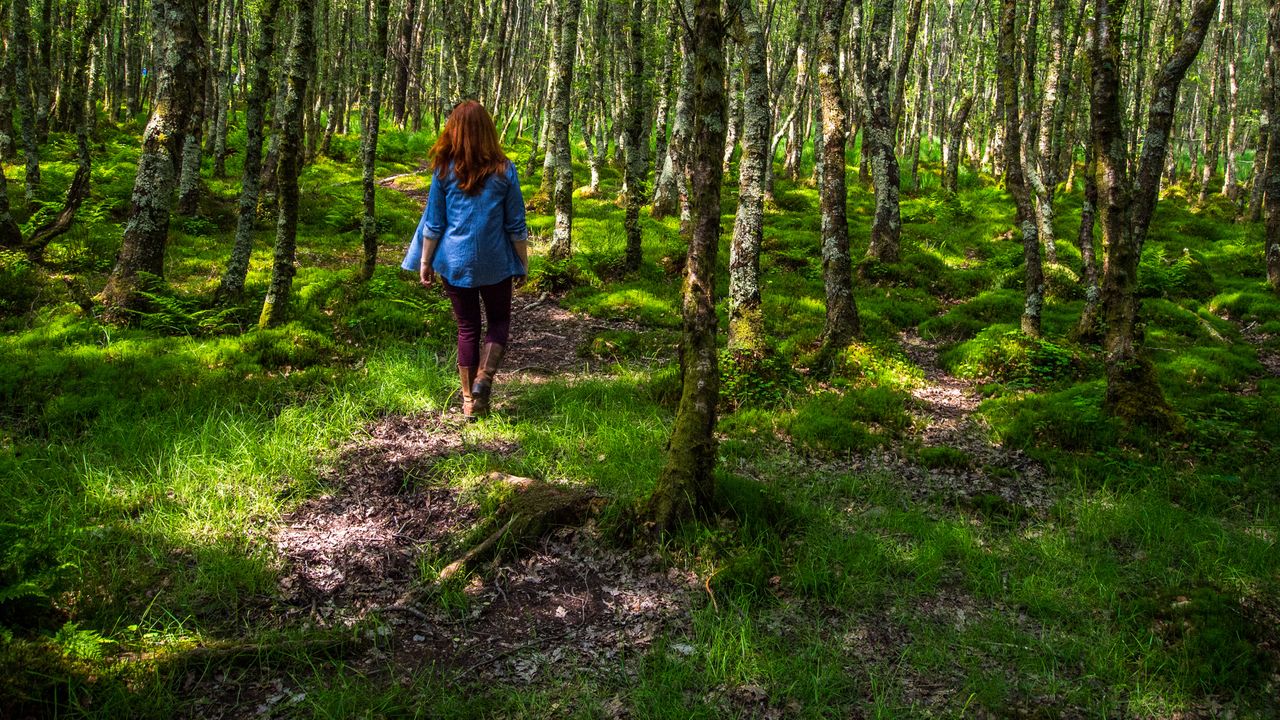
[(30, 575), (968, 319), (20, 283), (1062, 283), (1215, 643), (80, 644), (1183, 276), (857, 420), (171, 313), (751, 380), (1006, 355)]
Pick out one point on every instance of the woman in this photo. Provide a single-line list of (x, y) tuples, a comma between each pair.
[(473, 235)]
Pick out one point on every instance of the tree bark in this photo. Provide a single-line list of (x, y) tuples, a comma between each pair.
[(562, 195), (1132, 391), (26, 109), (746, 313), (369, 140), (637, 138), (687, 483), (301, 54), (232, 284), (1273, 154), (178, 90), (837, 271), (1014, 180), (955, 134), (878, 139)]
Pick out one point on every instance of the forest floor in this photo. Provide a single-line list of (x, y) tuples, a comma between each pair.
[(947, 526)]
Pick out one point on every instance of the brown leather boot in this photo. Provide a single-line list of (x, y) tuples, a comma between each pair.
[(466, 377), (490, 359)]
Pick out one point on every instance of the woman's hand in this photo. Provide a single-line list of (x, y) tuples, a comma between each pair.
[(427, 275)]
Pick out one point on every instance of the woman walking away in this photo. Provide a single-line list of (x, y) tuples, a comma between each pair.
[(474, 236)]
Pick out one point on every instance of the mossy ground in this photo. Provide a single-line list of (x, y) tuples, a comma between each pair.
[(143, 467)]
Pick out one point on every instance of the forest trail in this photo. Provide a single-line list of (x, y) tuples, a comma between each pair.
[(975, 470)]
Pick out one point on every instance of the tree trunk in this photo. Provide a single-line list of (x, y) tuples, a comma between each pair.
[(178, 90), (904, 63), (879, 141), (746, 314), (232, 284), (1132, 391), (837, 272), (20, 50), (301, 53), (562, 196), (1272, 98), (1088, 329), (667, 197), (369, 140), (955, 134), (1015, 183), (637, 138), (687, 483)]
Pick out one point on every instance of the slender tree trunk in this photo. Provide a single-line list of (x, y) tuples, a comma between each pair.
[(1042, 158), (178, 93), (1272, 98), (667, 197), (637, 138), (878, 139), (687, 483), (955, 134), (1132, 390), (26, 109), (369, 140), (837, 267), (1230, 181), (562, 199), (298, 66), (746, 313), (1088, 329), (904, 62), (232, 284), (1007, 92)]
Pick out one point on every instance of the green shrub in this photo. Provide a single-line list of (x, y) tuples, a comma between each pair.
[(20, 283), (969, 319), (858, 420), (747, 379), (1184, 276), (1062, 283), (1005, 354)]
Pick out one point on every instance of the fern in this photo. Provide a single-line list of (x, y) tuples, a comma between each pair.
[(80, 644)]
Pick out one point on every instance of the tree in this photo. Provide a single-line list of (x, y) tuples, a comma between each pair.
[(232, 284), (1014, 180), (878, 139), (178, 90), (837, 271), (1272, 110), (746, 314), (21, 52), (636, 134), (1126, 209), (369, 139), (687, 483), (558, 126), (297, 69)]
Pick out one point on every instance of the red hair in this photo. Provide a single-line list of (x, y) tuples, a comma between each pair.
[(469, 148)]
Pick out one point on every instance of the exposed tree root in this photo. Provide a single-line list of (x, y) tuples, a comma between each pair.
[(529, 509)]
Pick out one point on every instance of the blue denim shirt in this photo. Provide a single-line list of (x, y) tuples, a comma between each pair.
[(475, 232)]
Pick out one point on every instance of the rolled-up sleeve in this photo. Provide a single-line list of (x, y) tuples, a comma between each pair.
[(513, 208)]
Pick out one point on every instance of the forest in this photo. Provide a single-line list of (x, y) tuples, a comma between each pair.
[(877, 358)]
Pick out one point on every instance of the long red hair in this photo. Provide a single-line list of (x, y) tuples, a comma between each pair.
[(469, 148)]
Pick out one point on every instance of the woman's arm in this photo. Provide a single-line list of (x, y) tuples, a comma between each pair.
[(513, 218), (432, 228)]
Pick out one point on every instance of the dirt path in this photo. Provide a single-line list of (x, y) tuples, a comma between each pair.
[(946, 412)]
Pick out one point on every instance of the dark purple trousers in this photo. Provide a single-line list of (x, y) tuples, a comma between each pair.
[(466, 310)]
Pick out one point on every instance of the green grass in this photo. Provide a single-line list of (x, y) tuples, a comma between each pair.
[(144, 468)]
